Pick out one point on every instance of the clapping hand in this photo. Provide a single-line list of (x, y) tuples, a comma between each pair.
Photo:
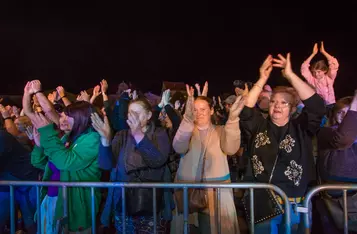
[(39, 120), (285, 64)]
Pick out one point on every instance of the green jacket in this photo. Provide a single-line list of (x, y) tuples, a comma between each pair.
[(78, 163)]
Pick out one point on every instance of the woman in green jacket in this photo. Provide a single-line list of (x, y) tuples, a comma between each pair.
[(72, 158)]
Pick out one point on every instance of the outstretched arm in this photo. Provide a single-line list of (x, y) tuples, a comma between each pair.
[(264, 71), (332, 62), (303, 89), (305, 66)]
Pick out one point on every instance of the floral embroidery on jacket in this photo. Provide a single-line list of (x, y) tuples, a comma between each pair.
[(294, 172), (287, 144), (262, 139), (257, 165)]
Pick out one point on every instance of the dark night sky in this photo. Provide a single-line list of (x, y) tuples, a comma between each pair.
[(77, 45)]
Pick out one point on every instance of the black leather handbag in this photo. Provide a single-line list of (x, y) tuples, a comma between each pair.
[(266, 205), (139, 201)]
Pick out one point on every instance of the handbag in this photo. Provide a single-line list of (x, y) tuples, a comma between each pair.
[(266, 205), (197, 197), (139, 201)]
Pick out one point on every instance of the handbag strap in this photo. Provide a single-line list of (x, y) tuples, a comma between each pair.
[(279, 151), (208, 137)]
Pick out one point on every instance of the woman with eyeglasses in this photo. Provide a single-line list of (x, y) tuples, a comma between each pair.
[(280, 148)]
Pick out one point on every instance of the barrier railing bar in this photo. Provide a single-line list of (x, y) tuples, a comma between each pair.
[(12, 210), (65, 207), (185, 187), (154, 209), (317, 189), (38, 205), (142, 185), (123, 207), (185, 210), (345, 217), (92, 191), (251, 197), (219, 210)]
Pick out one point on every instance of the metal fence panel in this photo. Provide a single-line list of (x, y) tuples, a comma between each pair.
[(343, 187), (154, 186)]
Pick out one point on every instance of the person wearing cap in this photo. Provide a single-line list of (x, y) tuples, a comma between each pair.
[(228, 102)]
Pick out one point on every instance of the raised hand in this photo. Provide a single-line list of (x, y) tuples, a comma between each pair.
[(85, 96), (190, 91), (29, 133), (285, 64), (134, 123), (246, 90), (104, 86), (214, 101), (166, 97), (135, 95), (198, 88), (16, 111), (36, 136), (315, 50), (102, 127), (96, 91), (189, 104), (39, 120), (205, 89), (36, 86), (61, 92), (177, 105), (322, 48), (4, 112), (79, 98), (28, 88), (236, 108), (220, 102), (266, 68)]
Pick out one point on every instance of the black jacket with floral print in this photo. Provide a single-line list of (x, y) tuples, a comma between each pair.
[(289, 148)]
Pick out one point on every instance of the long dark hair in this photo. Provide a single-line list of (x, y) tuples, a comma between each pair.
[(81, 113)]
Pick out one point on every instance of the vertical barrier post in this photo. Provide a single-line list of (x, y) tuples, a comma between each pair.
[(287, 214), (219, 210), (65, 209), (38, 205), (93, 210), (185, 210), (123, 208), (345, 216), (154, 208), (251, 197), (306, 215), (12, 210)]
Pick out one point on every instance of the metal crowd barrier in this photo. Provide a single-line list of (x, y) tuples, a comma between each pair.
[(154, 186), (317, 189)]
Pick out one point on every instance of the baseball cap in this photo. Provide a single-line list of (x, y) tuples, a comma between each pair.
[(230, 100)]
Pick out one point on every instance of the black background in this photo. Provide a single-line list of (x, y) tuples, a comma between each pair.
[(75, 45)]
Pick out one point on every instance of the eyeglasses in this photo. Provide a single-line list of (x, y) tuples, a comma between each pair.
[(282, 104)]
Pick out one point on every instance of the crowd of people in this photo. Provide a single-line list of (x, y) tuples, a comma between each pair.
[(293, 137)]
